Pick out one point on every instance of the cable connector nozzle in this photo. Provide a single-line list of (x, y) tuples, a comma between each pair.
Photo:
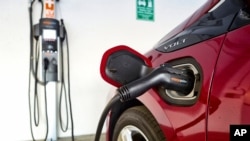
[(45, 63), (166, 76)]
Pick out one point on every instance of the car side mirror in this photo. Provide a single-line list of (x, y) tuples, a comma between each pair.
[(121, 65)]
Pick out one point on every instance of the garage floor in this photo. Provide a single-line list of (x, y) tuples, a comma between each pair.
[(83, 138)]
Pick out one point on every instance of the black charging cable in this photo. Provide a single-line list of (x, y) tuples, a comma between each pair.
[(63, 86), (104, 114), (33, 71), (36, 115), (46, 67), (166, 76)]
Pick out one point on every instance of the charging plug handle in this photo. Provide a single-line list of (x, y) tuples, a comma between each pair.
[(166, 76)]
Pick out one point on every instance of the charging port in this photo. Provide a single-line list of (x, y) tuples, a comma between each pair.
[(178, 98)]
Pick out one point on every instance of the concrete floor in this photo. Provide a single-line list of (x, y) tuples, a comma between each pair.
[(83, 138)]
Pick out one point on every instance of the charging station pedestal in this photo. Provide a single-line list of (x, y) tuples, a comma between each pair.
[(50, 75), (52, 111)]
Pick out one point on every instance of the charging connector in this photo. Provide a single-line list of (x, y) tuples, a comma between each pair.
[(165, 75), (45, 64)]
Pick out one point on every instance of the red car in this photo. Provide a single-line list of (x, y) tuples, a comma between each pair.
[(214, 45)]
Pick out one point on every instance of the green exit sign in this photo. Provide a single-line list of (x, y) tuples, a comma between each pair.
[(145, 10)]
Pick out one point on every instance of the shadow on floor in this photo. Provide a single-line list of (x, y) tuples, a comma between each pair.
[(83, 138)]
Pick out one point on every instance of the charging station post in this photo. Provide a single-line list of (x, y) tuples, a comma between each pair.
[(48, 35), (47, 64), (50, 42)]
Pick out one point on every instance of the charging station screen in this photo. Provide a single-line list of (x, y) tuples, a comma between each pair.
[(49, 35)]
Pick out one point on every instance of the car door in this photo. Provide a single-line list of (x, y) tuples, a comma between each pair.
[(229, 101)]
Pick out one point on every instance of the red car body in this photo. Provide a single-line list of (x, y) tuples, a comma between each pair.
[(223, 96)]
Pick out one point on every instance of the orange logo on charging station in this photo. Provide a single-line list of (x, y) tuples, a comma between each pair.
[(49, 6)]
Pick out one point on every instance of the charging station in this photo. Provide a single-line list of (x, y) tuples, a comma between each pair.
[(47, 71)]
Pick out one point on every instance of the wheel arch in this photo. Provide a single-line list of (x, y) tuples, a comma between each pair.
[(117, 111), (148, 100)]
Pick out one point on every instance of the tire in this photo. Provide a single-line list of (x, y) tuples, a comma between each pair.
[(137, 124)]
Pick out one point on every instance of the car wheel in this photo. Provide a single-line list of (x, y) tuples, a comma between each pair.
[(137, 124)]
